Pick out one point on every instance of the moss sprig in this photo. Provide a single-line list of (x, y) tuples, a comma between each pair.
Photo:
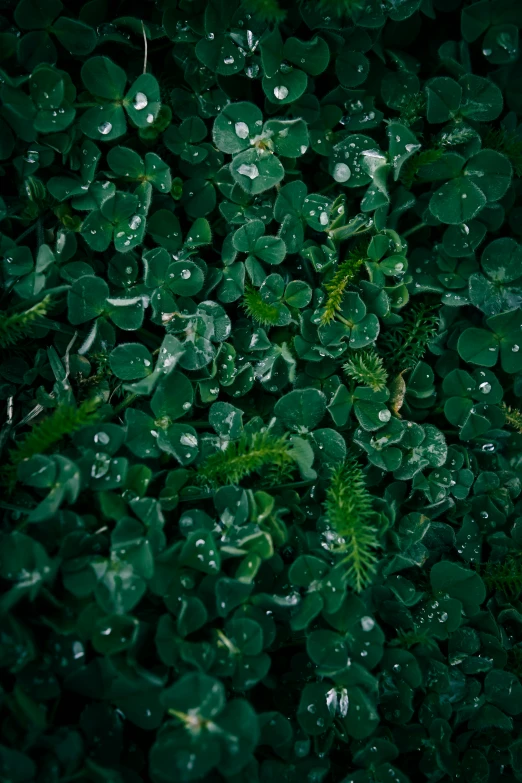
[(260, 311), (345, 274), (47, 433), (367, 367), (507, 142), (15, 327), (406, 344), (247, 455), (349, 511)]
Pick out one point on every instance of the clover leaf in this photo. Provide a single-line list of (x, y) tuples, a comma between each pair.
[(106, 81)]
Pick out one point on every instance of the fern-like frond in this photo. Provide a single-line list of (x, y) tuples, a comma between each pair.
[(410, 639), (505, 577), (412, 109), (406, 344), (411, 167), (514, 661), (507, 142), (345, 274), (265, 10), (337, 8), (367, 367), (46, 433), (348, 508), (258, 309), (16, 326), (248, 455), (513, 417)]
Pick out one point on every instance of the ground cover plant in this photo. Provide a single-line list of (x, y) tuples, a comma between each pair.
[(261, 380)]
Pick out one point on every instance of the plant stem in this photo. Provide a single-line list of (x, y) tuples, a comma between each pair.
[(26, 232), (412, 230), (124, 403), (39, 233)]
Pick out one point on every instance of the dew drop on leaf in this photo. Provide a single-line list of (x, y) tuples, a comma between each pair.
[(249, 170), (140, 101), (241, 129), (281, 92), (341, 172)]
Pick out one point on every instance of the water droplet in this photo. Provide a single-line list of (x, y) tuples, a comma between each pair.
[(150, 119), (140, 101), (104, 128), (485, 387), (516, 348), (185, 274), (367, 623), (229, 60), (281, 92), (323, 219), (135, 222), (242, 130), (249, 170), (189, 440), (384, 415), (341, 172)]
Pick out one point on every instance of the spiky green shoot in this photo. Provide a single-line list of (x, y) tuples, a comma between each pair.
[(507, 142), (513, 417), (514, 661), (337, 8), (411, 167), (407, 343), (16, 326), (348, 508), (250, 454), (414, 638), (367, 367), (412, 108), (46, 433), (265, 10), (505, 577), (260, 311), (337, 285)]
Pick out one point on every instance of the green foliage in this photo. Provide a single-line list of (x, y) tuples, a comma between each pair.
[(258, 309), (407, 343), (346, 273), (348, 508), (338, 8), (507, 142), (513, 417), (266, 10), (248, 455), (367, 367), (49, 431), (411, 167), (14, 327), (505, 577), (261, 383)]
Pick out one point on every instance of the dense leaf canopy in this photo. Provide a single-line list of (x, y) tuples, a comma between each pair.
[(261, 373)]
